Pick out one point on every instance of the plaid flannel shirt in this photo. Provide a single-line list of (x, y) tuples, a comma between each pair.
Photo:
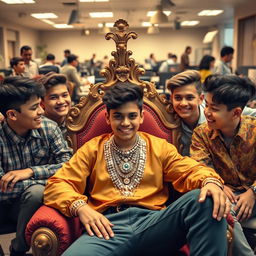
[(44, 150)]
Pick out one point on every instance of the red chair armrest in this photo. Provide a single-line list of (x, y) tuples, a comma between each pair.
[(66, 229)]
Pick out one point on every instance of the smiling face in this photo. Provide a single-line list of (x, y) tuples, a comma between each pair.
[(125, 122), (27, 118), (218, 117), (186, 101), (57, 103)]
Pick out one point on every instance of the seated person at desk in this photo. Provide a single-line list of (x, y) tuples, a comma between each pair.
[(226, 142), (187, 98), (32, 149), (49, 65), (167, 64), (125, 174), (56, 101)]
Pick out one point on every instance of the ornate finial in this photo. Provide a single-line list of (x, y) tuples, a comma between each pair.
[(122, 67), (121, 25)]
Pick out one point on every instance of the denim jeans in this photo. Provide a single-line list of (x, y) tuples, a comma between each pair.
[(146, 232)]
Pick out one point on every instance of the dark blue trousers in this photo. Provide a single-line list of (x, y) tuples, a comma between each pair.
[(141, 231)]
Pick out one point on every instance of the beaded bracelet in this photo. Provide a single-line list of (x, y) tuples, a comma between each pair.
[(75, 206), (214, 181)]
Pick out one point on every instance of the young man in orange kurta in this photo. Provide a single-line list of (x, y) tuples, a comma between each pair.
[(126, 175)]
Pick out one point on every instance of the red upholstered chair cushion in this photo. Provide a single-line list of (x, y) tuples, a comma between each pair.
[(66, 229), (96, 125)]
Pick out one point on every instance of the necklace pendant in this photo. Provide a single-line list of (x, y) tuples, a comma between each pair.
[(126, 181), (126, 166)]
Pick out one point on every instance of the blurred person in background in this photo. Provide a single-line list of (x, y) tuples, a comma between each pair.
[(18, 66), (206, 66), (31, 68)]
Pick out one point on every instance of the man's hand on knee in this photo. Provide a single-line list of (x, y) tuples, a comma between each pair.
[(221, 204), (95, 222)]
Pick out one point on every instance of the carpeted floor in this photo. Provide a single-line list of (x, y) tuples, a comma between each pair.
[(5, 241)]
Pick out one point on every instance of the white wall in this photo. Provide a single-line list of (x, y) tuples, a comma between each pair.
[(26, 36), (168, 40)]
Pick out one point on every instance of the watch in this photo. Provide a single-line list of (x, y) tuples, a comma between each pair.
[(253, 189)]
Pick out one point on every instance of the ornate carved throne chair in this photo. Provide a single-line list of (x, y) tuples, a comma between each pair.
[(49, 232)]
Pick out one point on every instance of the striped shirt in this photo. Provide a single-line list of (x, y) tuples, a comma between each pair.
[(43, 150)]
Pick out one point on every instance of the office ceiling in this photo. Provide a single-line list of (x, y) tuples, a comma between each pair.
[(134, 11)]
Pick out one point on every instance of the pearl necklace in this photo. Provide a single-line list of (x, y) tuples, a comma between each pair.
[(125, 168)]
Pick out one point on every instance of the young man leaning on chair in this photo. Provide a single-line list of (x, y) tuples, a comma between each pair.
[(126, 174), (32, 149), (57, 100), (227, 142)]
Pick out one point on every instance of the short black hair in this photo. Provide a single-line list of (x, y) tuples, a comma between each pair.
[(205, 62), (50, 56), (121, 93), (15, 61), (71, 58), (25, 48), (16, 91), (52, 79), (188, 48), (226, 50), (67, 51), (230, 90)]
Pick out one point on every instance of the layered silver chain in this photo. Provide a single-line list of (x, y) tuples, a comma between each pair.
[(125, 168)]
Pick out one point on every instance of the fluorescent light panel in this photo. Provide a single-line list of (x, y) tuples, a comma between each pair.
[(108, 24), (189, 23), (210, 12), (151, 13), (147, 24), (101, 14), (44, 15), (62, 26), (208, 38), (18, 1), (48, 21)]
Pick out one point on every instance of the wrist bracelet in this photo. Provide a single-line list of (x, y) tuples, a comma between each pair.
[(75, 206), (214, 181)]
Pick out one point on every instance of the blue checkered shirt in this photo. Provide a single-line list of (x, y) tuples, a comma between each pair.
[(44, 150)]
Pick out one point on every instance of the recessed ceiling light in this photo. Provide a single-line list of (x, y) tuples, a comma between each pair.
[(62, 26), (210, 12), (107, 24), (101, 14), (189, 23), (44, 15), (151, 13), (18, 1)]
